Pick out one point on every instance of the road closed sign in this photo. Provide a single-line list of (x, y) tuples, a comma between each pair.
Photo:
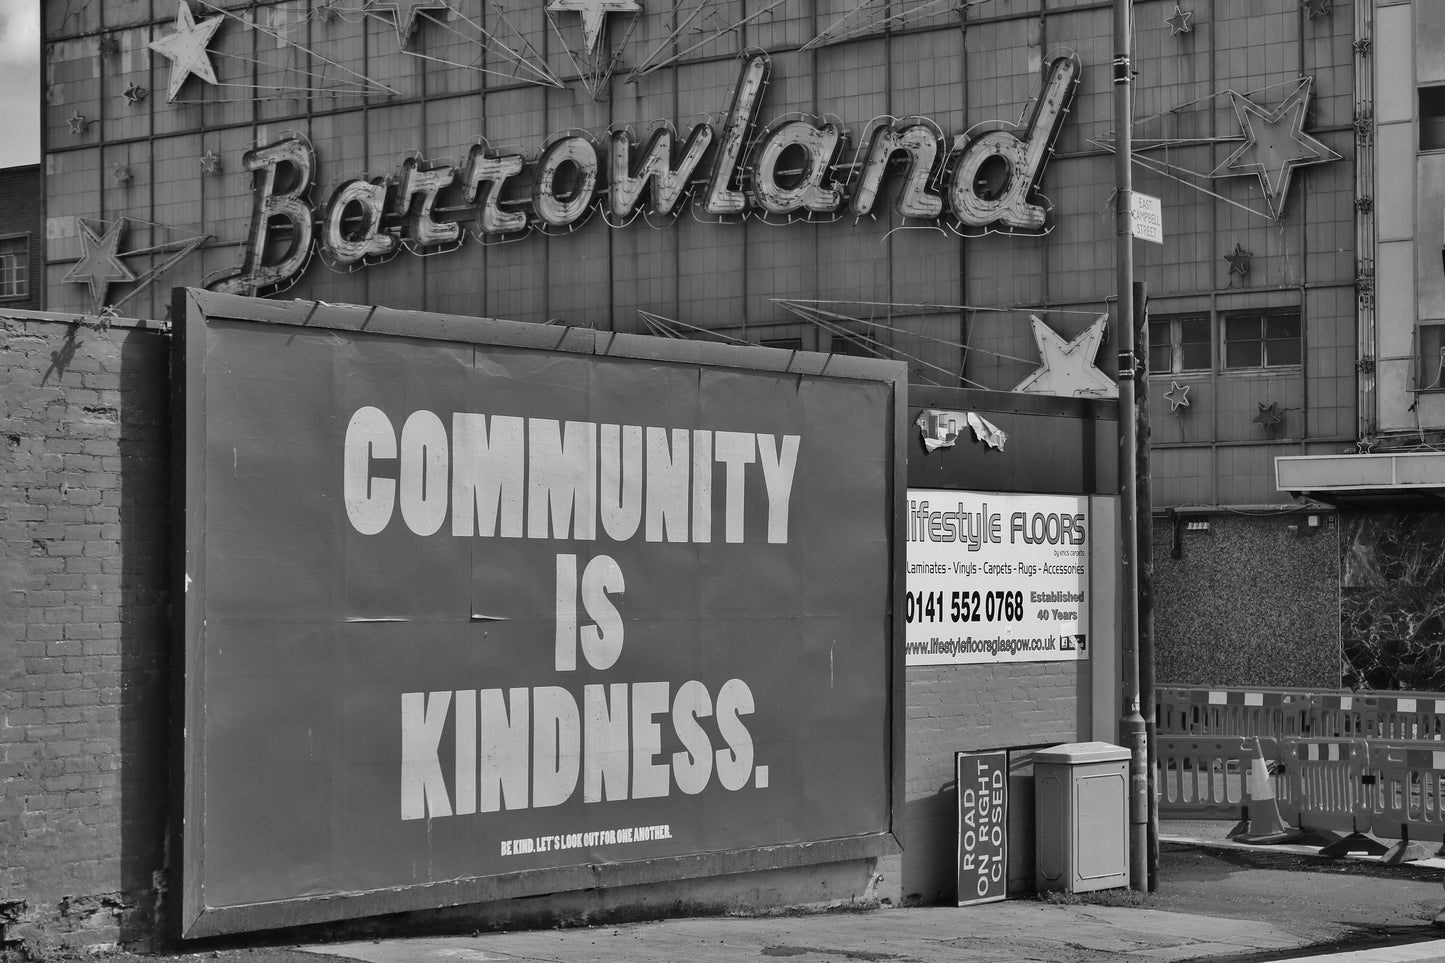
[(996, 577)]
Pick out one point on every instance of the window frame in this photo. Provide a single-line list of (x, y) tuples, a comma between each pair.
[(1430, 108), (1176, 343), (22, 263), (1262, 316), (1430, 364), (860, 344)]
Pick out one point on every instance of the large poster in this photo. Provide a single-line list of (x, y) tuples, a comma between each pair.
[(996, 578), (470, 616)]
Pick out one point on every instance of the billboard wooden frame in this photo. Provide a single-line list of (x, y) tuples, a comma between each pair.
[(193, 309)]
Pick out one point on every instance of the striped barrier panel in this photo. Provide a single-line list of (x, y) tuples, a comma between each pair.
[(1188, 710), (1328, 788), (1410, 777), (1206, 776), (1406, 716), (1338, 716)]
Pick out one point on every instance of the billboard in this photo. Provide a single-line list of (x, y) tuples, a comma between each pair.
[(996, 577), (476, 610)]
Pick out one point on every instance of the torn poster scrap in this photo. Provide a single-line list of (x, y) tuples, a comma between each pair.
[(940, 429)]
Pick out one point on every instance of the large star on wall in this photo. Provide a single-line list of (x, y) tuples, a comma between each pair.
[(100, 267), (1275, 144), (593, 12), (404, 13), (1068, 366), (186, 49)]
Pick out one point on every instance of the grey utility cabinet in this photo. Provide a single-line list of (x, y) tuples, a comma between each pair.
[(1081, 817)]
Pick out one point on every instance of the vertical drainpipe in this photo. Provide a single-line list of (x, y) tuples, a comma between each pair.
[(1368, 418)]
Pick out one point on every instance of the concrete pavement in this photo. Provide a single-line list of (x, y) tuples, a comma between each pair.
[(1215, 903), (991, 933)]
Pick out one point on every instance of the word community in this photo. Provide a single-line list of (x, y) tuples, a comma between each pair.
[(791, 170)]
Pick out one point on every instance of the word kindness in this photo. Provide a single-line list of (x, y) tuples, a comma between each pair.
[(503, 476), (792, 169)]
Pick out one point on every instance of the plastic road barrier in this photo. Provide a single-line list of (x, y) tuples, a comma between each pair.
[(1206, 776), (1186, 710), (1408, 805), (1331, 797)]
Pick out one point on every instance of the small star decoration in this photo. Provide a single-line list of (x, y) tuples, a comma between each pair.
[(134, 93), (120, 172), (1177, 396), (1179, 23), (210, 162), (1316, 8), (1269, 416), (1239, 260), (79, 123)]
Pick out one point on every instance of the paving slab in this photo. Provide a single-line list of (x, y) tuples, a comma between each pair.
[(1025, 930)]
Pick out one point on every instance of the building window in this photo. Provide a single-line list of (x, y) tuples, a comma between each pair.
[(856, 343), (1179, 344), (1267, 340), (1432, 357), (15, 266), (1432, 118)]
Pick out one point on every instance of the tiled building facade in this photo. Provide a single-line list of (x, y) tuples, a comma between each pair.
[(1245, 128)]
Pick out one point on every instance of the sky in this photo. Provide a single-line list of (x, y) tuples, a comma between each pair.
[(19, 82)]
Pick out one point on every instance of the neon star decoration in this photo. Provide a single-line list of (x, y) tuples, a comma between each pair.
[(1179, 22), (1275, 145), (134, 93), (186, 49), (404, 14), (1239, 260), (1177, 396), (1068, 366), (210, 162), (1269, 416), (99, 267), (1316, 8), (79, 123), (593, 12)]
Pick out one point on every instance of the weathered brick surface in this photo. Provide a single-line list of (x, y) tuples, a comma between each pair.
[(83, 608), (970, 707)]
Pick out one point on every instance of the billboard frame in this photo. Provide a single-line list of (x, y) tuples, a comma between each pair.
[(193, 310)]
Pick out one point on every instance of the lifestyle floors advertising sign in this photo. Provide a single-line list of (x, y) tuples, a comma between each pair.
[(469, 617), (996, 578)]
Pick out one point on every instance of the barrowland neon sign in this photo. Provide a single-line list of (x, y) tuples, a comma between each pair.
[(789, 171)]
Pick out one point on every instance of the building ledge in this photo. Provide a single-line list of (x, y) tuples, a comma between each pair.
[(1413, 479)]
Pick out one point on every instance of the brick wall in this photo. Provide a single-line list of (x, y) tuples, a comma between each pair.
[(83, 623), (20, 196), (970, 707)]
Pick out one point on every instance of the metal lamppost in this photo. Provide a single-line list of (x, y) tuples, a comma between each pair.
[(1132, 729)]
